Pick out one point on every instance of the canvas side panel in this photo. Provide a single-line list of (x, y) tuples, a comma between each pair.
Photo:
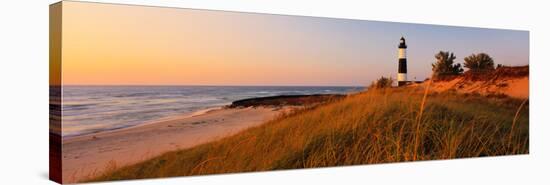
[(55, 92)]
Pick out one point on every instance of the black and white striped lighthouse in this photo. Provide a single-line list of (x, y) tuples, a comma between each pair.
[(402, 55)]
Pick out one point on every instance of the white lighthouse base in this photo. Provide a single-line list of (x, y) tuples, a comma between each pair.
[(402, 77)]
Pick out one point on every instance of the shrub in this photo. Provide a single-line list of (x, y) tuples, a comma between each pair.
[(445, 66), (479, 63), (382, 82)]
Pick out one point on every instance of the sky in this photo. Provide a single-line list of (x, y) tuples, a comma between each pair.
[(107, 44)]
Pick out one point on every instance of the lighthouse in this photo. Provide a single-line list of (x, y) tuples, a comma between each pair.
[(402, 69)]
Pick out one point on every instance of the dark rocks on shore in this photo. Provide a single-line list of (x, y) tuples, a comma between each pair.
[(286, 100)]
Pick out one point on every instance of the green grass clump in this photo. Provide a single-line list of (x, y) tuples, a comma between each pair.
[(377, 126)]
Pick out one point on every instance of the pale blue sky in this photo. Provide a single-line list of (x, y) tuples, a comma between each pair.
[(372, 45)]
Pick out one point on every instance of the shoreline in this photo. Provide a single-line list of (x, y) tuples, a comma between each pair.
[(159, 120), (87, 156), (90, 155), (267, 101)]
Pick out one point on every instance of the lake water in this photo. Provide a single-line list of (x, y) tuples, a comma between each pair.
[(88, 109)]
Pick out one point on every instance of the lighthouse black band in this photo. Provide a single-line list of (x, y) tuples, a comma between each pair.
[(402, 65)]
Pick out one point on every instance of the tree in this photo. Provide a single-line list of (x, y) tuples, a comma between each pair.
[(382, 82), (479, 63), (445, 66)]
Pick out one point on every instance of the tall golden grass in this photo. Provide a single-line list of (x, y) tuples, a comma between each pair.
[(377, 126)]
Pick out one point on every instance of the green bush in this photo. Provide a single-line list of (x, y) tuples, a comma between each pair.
[(479, 63), (382, 82), (445, 66)]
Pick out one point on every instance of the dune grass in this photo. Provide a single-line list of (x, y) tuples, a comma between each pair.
[(377, 126)]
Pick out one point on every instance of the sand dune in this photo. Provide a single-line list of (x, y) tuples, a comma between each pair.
[(510, 81), (517, 87), (89, 155)]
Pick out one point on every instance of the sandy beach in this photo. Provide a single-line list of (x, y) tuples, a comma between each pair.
[(89, 155)]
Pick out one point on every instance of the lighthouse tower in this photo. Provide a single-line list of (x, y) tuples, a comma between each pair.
[(402, 55)]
